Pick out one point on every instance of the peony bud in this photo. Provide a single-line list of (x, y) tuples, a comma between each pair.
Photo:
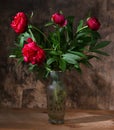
[(93, 23), (59, 19)]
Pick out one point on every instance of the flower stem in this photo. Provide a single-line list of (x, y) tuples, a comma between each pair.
[(32, 35), (82, 29), (30, 26)]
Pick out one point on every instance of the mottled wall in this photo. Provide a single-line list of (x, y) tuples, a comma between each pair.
[(92, 89)]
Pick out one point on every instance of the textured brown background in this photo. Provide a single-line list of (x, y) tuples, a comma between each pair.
[(93, 89)]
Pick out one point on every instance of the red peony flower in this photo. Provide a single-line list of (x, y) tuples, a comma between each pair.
[(19, 22), (29, 40), (32, 53), (93, 23), (59, 19)]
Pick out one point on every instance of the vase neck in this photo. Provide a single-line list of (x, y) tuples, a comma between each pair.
[(56, 75)]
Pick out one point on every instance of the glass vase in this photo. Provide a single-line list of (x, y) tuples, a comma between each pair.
[(56, 97)]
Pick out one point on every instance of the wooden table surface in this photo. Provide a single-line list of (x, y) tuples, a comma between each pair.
[(34, 119)]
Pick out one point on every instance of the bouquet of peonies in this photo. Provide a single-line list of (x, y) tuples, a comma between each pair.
[(59, 46)]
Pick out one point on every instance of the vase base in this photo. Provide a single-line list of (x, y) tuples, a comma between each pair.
[(52, 121)]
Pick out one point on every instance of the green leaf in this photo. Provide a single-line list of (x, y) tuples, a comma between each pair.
[(92, 44), (56, 53), (31, 67), (71, 58), (22, 41), (81, 34), (93, 56), (95, 34), (26, 35), (60, 12), (50, 61), (88, 64), (12, 56), (20, 60), (100, 52), (62, 64), (77, 67), (32, 13), (23, 36), (101, 45), (80, 25), (67, 37), (16, 52), (78, 53), (49, 24), (32, 34)]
